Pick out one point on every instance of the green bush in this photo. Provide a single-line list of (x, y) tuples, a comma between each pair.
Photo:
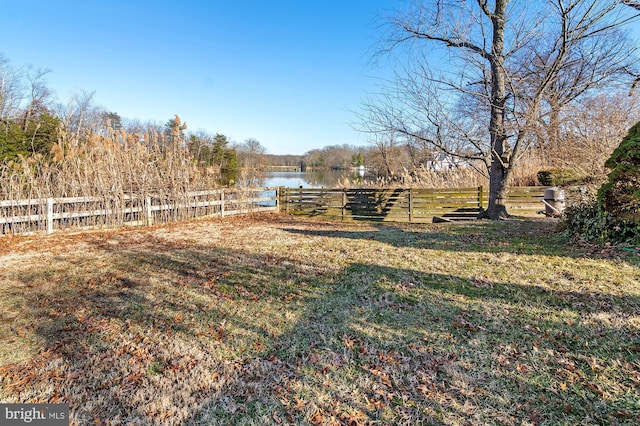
[(591, 223), (557, 177), (620, 196)]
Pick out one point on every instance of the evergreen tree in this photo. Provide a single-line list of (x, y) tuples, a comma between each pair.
[(620, 196), (36, 137), (12, 141)]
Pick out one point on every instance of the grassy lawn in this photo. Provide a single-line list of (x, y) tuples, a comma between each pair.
[(280, 320)]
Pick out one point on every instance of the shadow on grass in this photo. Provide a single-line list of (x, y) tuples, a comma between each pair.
[(175, 333), (529, 236), (371, 204)]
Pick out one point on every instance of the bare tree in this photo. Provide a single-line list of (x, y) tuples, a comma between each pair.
[(251, 160), (634, 4), (11, 89), (39, 94), (251, 154), (387, 156), (590, 129), (481, 75), (76, 117)]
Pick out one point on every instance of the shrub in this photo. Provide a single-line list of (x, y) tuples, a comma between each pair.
[(591, 223), (620, 196), (558, 177)]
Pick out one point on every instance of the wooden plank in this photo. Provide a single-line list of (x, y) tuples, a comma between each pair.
[(23, 203), (203, 193), (43, 201), (76, 200), (446, 200), (97, 212), (22, 219)]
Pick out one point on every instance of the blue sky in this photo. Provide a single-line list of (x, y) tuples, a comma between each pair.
[(289, 73)]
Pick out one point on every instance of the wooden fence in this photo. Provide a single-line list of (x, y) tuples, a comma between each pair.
[(399, 205), (52, 214), (404, 205)]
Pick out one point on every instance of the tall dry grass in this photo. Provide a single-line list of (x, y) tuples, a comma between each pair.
[(424, 178), (119, 170), (524, 172), (108, 163), (461, 177)]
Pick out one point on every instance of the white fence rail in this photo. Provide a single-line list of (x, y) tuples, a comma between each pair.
[(53, 214)]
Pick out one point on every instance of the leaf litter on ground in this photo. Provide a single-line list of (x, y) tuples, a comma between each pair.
[(269, 319)]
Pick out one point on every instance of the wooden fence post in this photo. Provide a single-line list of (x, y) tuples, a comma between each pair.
[(49, 215), (148, 212), (287, 200), (410, 205), (284, 197), (222, 203), (480, 196), (344, 202)]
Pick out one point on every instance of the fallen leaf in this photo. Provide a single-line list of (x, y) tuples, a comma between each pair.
[(318, 418), (595, 388), (621, 414), (354, 419)]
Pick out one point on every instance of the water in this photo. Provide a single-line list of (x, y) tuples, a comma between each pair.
[(309, 179)]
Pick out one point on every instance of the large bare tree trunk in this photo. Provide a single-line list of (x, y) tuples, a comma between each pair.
[(498, 176), (498, 190)]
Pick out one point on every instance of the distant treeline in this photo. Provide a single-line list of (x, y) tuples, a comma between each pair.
[(283, 160)]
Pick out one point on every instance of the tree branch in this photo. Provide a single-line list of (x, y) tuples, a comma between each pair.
[(448, 42), (634, 4)]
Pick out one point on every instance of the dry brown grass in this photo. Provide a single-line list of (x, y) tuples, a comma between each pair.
[(424, 178), (524, 174), (105, 163), (278, 320)]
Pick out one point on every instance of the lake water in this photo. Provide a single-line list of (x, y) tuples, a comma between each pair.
[(309, 179)]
